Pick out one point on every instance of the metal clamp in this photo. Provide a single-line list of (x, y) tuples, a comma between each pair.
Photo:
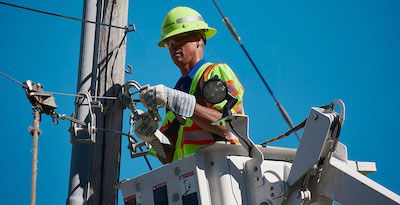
[(79, 129), (133, 147), (127, 86)]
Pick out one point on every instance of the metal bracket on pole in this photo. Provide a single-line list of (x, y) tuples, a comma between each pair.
[(43, 102), (78, 131)]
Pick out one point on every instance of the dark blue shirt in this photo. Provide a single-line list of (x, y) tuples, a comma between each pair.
[(184, 82)]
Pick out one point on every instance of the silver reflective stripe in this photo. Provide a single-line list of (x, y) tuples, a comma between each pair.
[(189, 19)]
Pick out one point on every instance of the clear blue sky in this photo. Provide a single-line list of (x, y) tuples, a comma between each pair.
[(310, 52)]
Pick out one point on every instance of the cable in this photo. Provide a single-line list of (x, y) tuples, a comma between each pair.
[(12, 79), (58, 93), (95, 97), (237, 38), (128, 135), (77, 95), (294, 129), (145, 156), (129, 28)]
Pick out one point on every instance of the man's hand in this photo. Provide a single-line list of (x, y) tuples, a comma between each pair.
[(145, 127), (179, 102), (153, 97)]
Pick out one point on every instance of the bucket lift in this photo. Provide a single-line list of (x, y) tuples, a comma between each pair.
[(318, 172)]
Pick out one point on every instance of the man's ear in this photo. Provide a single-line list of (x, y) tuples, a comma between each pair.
[(200, 43)]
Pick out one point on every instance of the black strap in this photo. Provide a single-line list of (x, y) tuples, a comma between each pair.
[(294, 129)]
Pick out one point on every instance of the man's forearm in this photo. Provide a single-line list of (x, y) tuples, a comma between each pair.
[(204, 116)]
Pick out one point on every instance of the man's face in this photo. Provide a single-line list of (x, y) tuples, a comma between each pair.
[(183, 48)]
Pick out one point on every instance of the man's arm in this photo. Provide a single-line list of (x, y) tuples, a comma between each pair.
[(204, 116)]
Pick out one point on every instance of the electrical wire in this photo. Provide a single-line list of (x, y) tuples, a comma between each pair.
[(12, 79), (129, 28), (95, 97), (145, 156), (56, 93), (128, 135), (77, 95), (237, 38), (294, 129)]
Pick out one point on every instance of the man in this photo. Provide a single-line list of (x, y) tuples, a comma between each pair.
[(187, 123)]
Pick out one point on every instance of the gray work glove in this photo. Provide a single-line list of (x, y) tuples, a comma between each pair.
[(177, 101)]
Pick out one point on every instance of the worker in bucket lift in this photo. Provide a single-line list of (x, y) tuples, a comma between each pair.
[(187, 123)]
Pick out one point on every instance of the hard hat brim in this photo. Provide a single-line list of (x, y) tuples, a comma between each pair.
[(208, 32)]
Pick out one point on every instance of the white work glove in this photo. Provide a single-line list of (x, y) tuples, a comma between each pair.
[(146, 129), (145, 126), (177, 101)]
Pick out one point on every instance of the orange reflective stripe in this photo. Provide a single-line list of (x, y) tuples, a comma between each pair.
[(232, 88), (207, 71), (230, 82), (235, 93)]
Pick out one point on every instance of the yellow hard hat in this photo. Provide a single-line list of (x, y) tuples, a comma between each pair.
[(181, 20)]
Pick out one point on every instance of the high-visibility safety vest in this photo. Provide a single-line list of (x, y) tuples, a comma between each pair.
[(189, 136)]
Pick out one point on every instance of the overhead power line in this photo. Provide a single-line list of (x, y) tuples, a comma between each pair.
[(12, 79), (128, 28), (59, 93), (237, 38)]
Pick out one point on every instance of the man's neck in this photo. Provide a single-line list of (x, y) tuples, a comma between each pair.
[(185, 69)]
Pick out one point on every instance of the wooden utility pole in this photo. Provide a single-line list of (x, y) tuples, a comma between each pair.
[(95, 167), (111, 63), (35, 132)]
